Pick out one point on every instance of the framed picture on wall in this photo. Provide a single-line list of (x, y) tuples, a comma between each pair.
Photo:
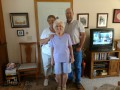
[(84, 19), (19, 20), (116, 16), (102, 19), (20, 32)]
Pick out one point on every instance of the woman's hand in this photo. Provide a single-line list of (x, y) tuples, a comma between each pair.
[(51, 36), (72, 60)]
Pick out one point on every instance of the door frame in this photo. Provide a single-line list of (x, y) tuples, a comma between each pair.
[(37, 24)]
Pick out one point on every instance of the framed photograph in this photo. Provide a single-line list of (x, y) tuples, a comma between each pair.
[(102, 19), (116, 16), (19, 20), (118, 44), (20, 32), (84, 19)]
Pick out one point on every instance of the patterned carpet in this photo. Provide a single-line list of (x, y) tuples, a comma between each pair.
[(32, 84), (38, 85), (91, 84)]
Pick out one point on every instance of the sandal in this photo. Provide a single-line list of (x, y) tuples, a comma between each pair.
[(59, 88)]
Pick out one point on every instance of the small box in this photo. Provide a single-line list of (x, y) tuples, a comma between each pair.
[(11, 77), (12, 80)]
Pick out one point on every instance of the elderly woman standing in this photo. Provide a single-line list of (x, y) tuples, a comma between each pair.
[(62, 54)]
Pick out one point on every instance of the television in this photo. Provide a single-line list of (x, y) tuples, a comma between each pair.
[(101, 39)]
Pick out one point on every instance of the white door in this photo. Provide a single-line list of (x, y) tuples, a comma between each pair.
[(50, 8)]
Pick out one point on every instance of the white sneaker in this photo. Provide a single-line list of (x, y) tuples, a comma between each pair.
[(46, 82)]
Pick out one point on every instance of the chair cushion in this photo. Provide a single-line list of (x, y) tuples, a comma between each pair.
[(10, 72), (27, 65)]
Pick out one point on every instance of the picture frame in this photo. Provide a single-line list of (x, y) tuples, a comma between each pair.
[(116, 16), (19, 20), (84, 19), (118, 45), (102, 20), (20, 32)]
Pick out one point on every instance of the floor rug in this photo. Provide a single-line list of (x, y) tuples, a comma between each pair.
[(32, 84)]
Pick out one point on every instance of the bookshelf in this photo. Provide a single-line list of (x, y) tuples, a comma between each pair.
[(104, 64)]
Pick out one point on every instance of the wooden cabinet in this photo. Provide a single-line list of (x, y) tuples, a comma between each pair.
[(103, 64), (114, 67), (2, 30), (3, 46)]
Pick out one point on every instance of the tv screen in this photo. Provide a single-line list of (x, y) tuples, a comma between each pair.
[(101, 39)]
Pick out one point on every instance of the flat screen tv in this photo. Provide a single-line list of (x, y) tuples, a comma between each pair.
[(101, 39)]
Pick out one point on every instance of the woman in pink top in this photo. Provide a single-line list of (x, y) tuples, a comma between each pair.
[(62, 54)]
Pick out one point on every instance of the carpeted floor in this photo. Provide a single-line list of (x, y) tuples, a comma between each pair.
[(38, 85), (32, 84), (91, 84)]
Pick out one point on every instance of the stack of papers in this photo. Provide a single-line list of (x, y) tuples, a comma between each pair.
[(112, 57)]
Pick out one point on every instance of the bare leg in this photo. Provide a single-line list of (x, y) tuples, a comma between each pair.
[(58, 77), (64, 80), (46, 77)]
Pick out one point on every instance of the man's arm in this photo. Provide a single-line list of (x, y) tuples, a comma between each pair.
[(82, 40), (71, 54)]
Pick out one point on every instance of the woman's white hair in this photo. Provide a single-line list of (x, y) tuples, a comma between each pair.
[(58, 21)]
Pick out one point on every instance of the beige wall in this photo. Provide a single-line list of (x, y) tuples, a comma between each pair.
[(15, 6), (79, 6), (98, 6)]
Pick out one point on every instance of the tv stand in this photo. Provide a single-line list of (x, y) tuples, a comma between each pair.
[(103, 66), (103, 50)]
